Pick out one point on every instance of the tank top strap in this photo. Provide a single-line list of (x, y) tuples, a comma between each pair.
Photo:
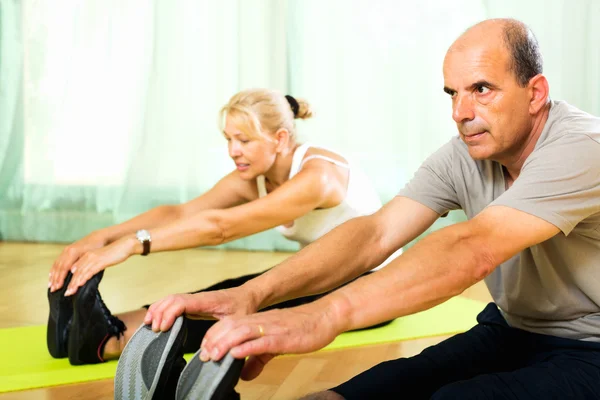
[(260, 185), (331, 160)]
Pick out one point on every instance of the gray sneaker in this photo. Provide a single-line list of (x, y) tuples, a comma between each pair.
[(151, 363), (212, 380)]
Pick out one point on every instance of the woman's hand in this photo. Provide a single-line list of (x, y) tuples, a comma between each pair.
[(69, 256), (97, 260)]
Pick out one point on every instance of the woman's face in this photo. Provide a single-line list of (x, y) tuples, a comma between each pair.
[(253, 156)]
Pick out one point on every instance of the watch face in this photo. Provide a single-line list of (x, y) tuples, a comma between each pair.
[(143, 235)]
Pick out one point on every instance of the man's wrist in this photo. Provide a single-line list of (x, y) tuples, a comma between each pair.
[(338, 311), (256, 295)]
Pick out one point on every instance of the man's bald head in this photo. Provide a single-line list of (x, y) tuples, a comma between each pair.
[(493, 73), (524, 56)]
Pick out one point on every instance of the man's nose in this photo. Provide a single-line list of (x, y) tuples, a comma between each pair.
[(462, 109)]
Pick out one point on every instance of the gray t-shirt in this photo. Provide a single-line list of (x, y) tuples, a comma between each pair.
[(551, 288)]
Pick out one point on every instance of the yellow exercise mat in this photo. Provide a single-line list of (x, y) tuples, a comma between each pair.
[(26, 363)]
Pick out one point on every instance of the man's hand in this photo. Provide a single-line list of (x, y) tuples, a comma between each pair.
[(263, 335), (216, 304)]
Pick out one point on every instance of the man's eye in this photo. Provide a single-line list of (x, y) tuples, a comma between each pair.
[(483, 89), (450, 93)]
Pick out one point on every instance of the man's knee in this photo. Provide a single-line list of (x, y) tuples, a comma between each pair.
[(326, 395)]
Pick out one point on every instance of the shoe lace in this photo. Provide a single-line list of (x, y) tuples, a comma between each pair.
[(115, 326)]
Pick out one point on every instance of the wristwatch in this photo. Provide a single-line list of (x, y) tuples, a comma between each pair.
[(144, 237)]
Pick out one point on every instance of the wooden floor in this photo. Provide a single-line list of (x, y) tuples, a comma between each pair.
[(24, 270)]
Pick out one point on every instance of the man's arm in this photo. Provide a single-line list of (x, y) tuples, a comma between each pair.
[(346, 252), (439, 267)]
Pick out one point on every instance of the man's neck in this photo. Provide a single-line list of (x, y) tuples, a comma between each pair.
[(513, 167)]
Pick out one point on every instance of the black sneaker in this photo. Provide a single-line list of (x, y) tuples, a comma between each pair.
[(167, 383), (211, 380), (59, 320), (92, 324), (151, 363)]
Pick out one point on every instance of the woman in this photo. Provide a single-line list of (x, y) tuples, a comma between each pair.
[(302, 190)]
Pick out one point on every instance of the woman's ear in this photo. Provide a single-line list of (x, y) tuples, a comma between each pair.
[(282, 138)]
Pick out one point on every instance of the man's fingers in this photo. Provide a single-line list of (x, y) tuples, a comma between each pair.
[(257, 347), (214, 335), (148, 317), (164, 313), (157, 315), (169, 316), (224, 335)]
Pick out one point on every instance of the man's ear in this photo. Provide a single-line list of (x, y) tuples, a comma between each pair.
[(539, 92)]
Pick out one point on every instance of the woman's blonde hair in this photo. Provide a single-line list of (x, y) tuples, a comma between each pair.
[(259, 111)]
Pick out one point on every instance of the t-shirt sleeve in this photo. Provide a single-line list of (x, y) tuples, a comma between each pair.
[(559, 183), (432, 184)]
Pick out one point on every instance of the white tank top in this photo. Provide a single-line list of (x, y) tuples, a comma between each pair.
[(361, 199)]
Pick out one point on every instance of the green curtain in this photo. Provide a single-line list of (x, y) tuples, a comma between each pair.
[(109, 108), (11, 114)]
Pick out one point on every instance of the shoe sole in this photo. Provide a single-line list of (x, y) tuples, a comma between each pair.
[(57, 331), (136, 362), (209, 380)]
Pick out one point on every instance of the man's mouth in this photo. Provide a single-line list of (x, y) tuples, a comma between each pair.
[(474, 136)]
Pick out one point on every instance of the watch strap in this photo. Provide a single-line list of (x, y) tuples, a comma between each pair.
[(146, 244)]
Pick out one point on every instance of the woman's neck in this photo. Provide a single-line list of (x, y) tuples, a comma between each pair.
[(279, 173)]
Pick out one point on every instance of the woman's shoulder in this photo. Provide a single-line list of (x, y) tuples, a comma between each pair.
[(329, 169)]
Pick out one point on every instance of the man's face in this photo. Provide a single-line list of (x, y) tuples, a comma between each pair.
[(491, 110)]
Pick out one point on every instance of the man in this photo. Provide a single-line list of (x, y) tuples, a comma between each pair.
[(526, 171)]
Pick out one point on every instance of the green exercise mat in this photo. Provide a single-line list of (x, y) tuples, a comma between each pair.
[(27, 364), (454, 316)]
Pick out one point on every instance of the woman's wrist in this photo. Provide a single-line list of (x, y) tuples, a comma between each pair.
[(97, 237), (133, 245)]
